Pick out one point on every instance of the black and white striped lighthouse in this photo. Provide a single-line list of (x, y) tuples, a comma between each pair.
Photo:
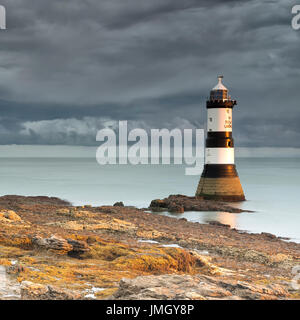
[(220, 180)]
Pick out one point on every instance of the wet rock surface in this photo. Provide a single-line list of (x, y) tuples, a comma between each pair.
[(181, 203)]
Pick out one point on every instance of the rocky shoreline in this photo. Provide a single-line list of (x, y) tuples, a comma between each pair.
[(50, 249)]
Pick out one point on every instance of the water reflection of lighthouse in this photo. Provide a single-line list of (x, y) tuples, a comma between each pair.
[(222, 217), (209, 216)]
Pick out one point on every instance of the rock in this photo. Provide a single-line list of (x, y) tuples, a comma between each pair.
[(71, 225), (158, 209), (186, 287), (81, 214), (30, 290), (175, 208), (269, 235), (35, 291), (186, 203), (106, 223), (79, 247), (219, 224), (75, 212), (62, 246), (9, 216), (249, 291), (157, 204), (54, 243), (154, 235), (119, 204), (167, 287), (29, 201), (284, 238), (205, 261)]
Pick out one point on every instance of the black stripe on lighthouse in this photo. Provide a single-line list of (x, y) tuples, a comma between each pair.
[(219, 140), (219, 171), (220, 104)]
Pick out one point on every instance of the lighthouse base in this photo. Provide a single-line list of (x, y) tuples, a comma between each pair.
[(220, 182)]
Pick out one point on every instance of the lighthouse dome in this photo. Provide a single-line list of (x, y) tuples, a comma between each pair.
[(219, 92)]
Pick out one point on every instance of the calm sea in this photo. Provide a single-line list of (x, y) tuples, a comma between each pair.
[(271, 185)]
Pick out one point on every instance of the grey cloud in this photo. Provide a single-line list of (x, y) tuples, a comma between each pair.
[(72, 131), (147, 61)]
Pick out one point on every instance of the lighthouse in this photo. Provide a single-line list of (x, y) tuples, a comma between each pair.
[(220, 180)]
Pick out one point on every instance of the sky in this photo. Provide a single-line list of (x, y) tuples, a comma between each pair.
[(71, 68)]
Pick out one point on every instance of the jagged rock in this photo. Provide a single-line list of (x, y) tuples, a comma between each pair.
[(119, 204), (191, 204), (34, 291), (79, 247), (62, 246), (186, 287), (54, 243), (158, 203)]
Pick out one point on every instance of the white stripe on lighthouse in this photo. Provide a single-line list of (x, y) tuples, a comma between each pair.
[(219, 156), (219, 119)]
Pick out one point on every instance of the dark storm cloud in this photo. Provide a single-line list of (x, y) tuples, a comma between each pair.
[(68, 68)]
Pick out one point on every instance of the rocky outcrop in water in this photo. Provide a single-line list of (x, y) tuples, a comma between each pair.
[(181, 203), (119, 204)]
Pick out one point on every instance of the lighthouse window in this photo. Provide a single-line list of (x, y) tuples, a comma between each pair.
[(210, 119)]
